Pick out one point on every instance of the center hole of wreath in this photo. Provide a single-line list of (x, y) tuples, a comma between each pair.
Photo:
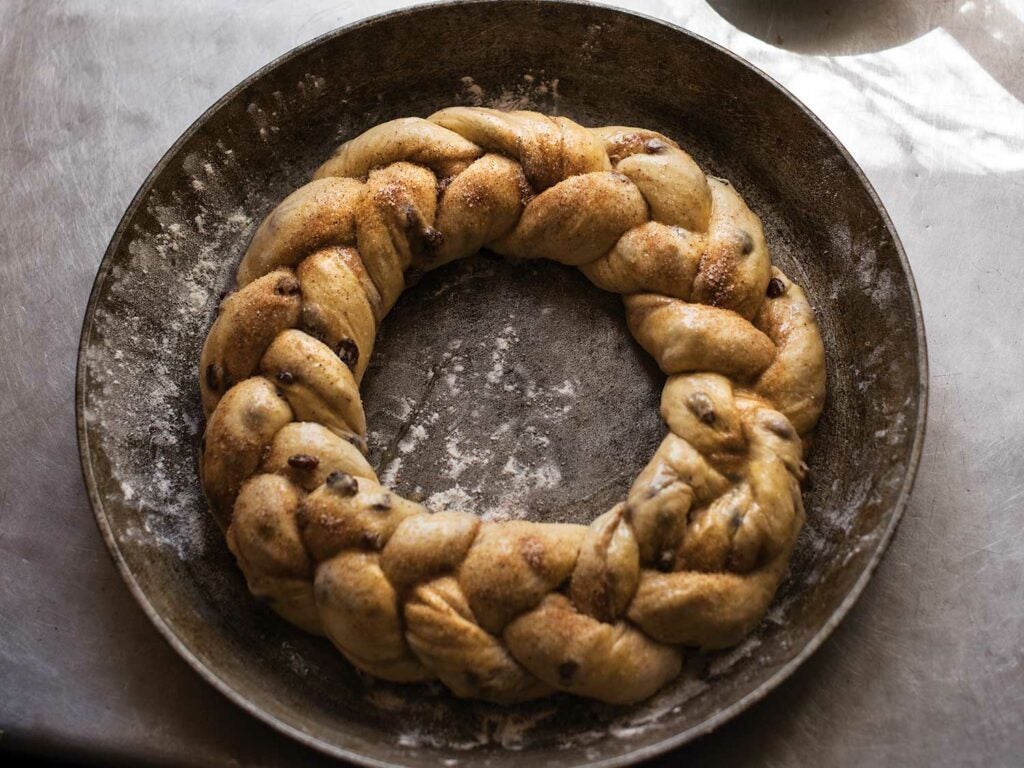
[(513, 391)]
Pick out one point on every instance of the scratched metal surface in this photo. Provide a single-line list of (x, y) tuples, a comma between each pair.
[(926, 670)]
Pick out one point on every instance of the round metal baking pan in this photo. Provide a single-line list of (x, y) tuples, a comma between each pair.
[(513, 391)]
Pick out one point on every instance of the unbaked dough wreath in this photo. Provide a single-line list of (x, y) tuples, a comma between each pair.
[(509, 611)]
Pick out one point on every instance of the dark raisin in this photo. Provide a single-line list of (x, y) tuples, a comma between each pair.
[(701, 407), (303, 461), (780, 426), (654, 146), (285, 377), (746, 243), (348, 352), (432, 237), (343, 483), (566, 671), (287, 286), (776, 288), (211, 376), (665, 561)]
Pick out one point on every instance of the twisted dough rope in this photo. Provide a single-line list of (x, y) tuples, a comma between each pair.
[(515, 610)]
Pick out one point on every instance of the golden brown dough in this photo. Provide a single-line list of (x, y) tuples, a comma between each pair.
[(410, 139), (318, 386), (321, 213), (307, 453), (576, 653), (550, 149), (360, 614), (795, 381), (734, 270), (340, 305), (653, 258), (247, 322), (559, 224), (351, 512), (445, 635), (238, 434), (479, 206), (512, 611), (696, 337), (511, 566), (264, 537), (607, 568), (427, 546)]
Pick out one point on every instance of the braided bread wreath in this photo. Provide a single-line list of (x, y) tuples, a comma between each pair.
[(510, 611)]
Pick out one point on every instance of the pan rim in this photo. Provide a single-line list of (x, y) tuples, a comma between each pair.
[(710, 723)]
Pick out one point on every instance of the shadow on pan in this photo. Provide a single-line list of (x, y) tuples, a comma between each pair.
[(988, 30), (176, 249)]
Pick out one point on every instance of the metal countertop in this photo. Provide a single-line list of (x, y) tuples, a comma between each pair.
[(928, 669)]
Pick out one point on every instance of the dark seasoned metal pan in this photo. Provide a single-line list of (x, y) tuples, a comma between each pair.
[(507, 390)]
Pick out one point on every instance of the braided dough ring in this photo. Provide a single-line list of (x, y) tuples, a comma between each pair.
[(509, 611)]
